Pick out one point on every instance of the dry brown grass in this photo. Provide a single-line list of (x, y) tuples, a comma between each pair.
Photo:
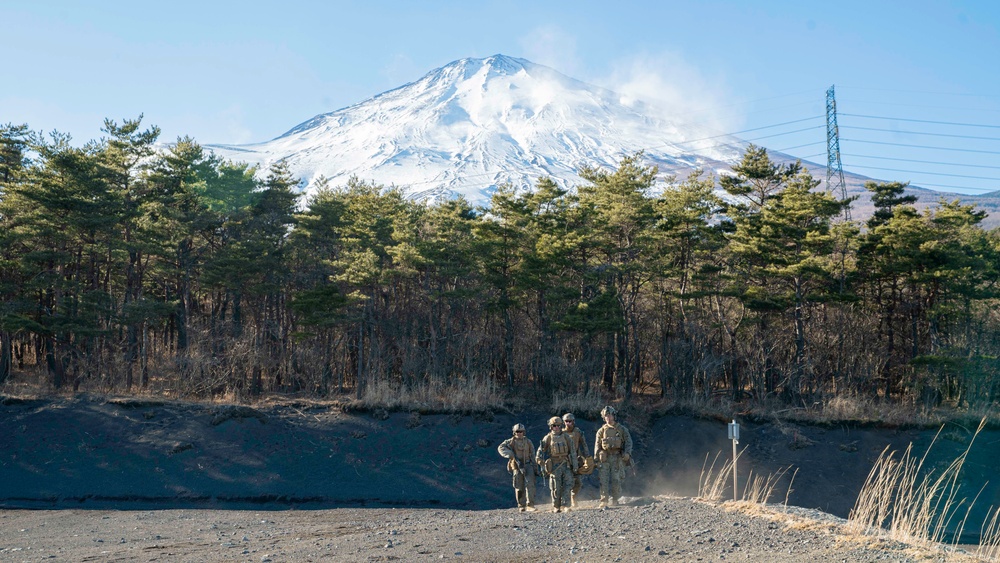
[(587, 404), (714, 407), (794, 518), (713, 483), (903, 501), (850, 408), (759, 488), (989, 542), (912, 552), (473, 394), (867, 409), (716, 484)]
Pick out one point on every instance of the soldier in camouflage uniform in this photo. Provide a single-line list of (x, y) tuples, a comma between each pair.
[(557, 455), (518, 449), (612, 453), (582, 451)]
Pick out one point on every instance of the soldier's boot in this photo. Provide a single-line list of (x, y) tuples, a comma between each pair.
[(530, 508), (615, 502), (603, 503), (521, 508)]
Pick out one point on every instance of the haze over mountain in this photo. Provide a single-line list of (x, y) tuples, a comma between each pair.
[(473, 124)]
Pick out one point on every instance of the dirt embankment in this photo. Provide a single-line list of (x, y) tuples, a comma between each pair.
[(141, 455), (151, 454)]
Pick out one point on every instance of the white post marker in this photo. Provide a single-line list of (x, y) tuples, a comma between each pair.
[(734, 435)]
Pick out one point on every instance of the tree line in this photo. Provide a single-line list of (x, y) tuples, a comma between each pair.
[(125, 267)]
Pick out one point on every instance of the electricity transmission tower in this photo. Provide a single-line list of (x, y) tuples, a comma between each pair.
[(834, 169)]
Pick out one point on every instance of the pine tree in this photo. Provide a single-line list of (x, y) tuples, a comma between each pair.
[(623, 217), (687, 273), (124, 160), (499, 248), (783, 244), (14, 145), (184, 222), (885, 257)]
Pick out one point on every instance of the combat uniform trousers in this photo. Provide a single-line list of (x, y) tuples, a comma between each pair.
[(524, 486), (611, 473), (577, 485), (561, 485)]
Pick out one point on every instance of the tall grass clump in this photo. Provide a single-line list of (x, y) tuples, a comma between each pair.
[(581, 403), (908, 503), (864, 408), (716, 484), (470, 394), (759, 488), (713, 483), (989, 542)]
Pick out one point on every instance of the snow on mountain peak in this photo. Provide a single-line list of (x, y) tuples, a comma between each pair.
[(473, 124)]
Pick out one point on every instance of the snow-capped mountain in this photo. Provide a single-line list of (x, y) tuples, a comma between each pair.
[(473, 124)]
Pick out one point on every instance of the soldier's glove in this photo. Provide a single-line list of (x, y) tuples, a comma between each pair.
[(626, 459)]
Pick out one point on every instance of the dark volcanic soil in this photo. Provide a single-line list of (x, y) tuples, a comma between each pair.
[(142, 455)]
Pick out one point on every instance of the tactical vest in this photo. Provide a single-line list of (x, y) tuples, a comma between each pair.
[(559, 448), (522, 449), (577, 437), (611, 439)]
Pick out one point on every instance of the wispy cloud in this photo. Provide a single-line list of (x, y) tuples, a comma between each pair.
[(665, 84), (675, 91), (552, 46), (231, 123), (400, 70)]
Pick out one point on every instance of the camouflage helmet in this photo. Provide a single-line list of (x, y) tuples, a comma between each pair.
[(555, 421), (608, 410), (568, 417), (518, 428)]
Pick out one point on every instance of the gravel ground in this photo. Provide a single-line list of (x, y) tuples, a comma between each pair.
[(97, 479), (653, 529)]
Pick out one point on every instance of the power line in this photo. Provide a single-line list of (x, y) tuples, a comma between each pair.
[(922, 133), (958, 94), (924, 161), (785, 133), (922, 146), (927, 173), (853, 167), (739, 144), (736, 104), (805, 145), (984, 190), (741, 132), (922, 121), (896, 104)]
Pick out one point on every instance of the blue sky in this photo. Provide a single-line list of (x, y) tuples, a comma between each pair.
[(922, 74)]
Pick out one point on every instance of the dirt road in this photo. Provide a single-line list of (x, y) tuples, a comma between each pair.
[(654, 529)]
